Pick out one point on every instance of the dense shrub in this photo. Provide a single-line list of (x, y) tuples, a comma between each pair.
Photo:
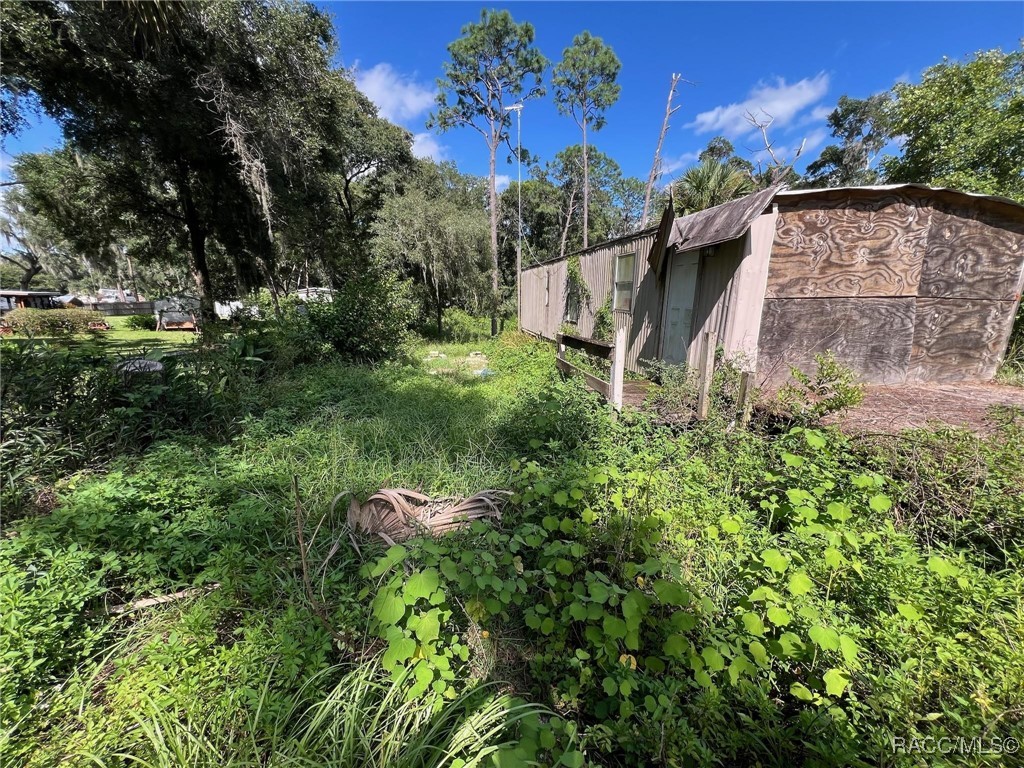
[(744, 606), (140, 323), (367, 320), (604, 322), (52, 322), (691, 596), (460, 326), (959, 489), (675, 399), (66, 407)]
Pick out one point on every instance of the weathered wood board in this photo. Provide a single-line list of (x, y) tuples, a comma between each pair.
[(873, 336), (600, 386), (843, 246), (958, 339), (969, 256), (955, 261)]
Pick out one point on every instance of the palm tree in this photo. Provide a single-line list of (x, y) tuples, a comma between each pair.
[(708, 184)]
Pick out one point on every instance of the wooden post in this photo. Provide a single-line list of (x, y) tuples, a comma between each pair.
[(618, 367), (707, 370), (745, 398), (561, 347)]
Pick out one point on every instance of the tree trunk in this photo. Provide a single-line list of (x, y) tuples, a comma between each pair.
[(568, 220), (493, 194), (120, 283), (201, 275), (131, 275), (656, 165), (26, 277), (197, 247), (586, 188)]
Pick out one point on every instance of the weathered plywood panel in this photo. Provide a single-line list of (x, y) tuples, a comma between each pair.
[(972, 254), (873, 336), (959, 339), (845, 246)]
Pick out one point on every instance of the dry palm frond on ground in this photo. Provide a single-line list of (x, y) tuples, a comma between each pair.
[(397, 514)]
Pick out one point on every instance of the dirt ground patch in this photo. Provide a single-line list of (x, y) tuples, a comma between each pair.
[(893, 409)]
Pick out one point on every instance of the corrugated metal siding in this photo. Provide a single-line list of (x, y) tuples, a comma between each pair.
[(644, 328), (730, 294), (715, 293), (544, 298), (596, 268), (596, 265)]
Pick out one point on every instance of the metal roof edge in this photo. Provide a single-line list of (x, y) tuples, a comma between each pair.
[(603, 244), (792, 193)]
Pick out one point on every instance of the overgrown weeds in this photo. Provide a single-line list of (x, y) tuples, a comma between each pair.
[(692, 596)]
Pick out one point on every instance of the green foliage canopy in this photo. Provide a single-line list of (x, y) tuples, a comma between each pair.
[(584, 88), (962, 126)]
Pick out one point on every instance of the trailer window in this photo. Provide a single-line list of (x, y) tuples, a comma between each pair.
[(624, 265)]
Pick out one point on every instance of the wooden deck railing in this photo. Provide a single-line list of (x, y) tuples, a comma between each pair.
[(611, 390)]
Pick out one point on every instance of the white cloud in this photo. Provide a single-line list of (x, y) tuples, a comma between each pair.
[(397, 96), (426, 145), (904, 78), (822, 112), (813, 140), (672, 164), (783, 101), (501, 181)]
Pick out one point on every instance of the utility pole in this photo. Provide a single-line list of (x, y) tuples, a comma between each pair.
[(518, 109)]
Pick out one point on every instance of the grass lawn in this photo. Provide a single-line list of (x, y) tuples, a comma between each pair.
[(193, 512), (124, 342), (121, 340)]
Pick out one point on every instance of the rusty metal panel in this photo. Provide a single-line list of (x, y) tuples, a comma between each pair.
[(596, 268), (715, 287), (532, 282), (543, 298), (643, 320), (720, 224)]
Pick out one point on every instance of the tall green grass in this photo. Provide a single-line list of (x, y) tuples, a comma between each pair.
[(364, 721)]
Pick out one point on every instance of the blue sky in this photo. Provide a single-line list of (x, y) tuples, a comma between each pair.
[(792, 59)]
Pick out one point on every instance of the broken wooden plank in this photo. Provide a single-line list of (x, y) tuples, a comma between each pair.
[(149, 602), (595, 347), (745, 398), (600, 386)]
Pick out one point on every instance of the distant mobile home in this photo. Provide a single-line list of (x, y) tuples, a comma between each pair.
[(11, 299), (904, 283)]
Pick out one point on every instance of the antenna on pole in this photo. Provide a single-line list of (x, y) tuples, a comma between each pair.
[(518, 109)]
